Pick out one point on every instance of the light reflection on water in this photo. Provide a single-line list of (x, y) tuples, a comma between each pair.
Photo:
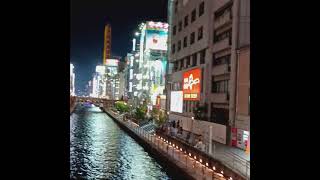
[(99, 149)]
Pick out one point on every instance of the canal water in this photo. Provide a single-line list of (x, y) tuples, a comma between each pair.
[(99, 149)]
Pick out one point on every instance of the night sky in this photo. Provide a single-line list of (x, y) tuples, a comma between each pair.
[(88, 18)]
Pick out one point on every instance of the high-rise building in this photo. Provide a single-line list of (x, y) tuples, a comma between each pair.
[(148, 61), (107, 44), (206, 91)]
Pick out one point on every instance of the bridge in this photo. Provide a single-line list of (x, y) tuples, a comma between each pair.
[(97, 101)]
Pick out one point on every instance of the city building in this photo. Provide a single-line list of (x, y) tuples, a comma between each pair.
[(241, 118), (107, 44), (148, 61), (72, 80), (204, 69)]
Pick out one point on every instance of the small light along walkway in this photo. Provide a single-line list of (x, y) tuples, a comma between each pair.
[(194, 168)]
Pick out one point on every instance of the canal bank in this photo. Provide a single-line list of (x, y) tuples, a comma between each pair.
[(73, 104), (193, 167), (146, 140)]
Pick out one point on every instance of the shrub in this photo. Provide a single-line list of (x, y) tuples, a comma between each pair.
[(121, 106)]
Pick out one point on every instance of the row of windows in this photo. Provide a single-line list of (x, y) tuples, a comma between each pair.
[(220, 60), (186, 18), (223, 35), (185, 40), (219, 86), (224, 11), (186, 62), (189, 106)]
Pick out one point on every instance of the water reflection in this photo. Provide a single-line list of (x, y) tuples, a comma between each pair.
[(101, 150)]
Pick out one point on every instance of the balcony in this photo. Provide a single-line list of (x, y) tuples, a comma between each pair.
[(221, 45), (219, 97), (221, 69)]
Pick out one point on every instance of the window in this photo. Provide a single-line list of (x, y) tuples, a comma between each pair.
[(188, 61), (219, 115), (186, 19), (224, 11), (185, 41), (221, 60), (181, 64), (193, 15), (173, 48), (220, 36), (200, 33), (194, 59), (219, 86), (192, 36), (202, 56), (176, 7), (180, 26), (174, 30), (201, 8), (179, 45), (175, 66)]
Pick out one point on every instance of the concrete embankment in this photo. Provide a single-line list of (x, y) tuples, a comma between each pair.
[(73, 103), (173, 156)]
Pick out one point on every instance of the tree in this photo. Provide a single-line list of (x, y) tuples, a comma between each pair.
[(140, 112), (155, 113), (162, 118), (122, 106)]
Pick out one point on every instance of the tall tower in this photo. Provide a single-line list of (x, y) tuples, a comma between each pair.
[(107, 44)]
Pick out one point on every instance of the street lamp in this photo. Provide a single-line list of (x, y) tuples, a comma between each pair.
[(137, 34)]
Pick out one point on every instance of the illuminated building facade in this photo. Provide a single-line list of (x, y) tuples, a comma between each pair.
[(148, 62)]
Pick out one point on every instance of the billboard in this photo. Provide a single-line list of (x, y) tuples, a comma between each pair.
[(156, 39), (176, 104), (191, 85), (112, 62)]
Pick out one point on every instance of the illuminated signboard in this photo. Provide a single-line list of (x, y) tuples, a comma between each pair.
[(112, 62), (176, 103), (156, 36), (191, 85), (131, 74)]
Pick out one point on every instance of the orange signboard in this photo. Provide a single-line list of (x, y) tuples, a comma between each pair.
[(191, 85)]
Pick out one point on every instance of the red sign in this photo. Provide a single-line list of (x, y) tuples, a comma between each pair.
[(191, 85), (234, 137)]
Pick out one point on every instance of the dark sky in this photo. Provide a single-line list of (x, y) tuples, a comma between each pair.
[(88, 18)]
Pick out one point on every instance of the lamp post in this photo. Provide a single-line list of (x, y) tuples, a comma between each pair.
[(192, 119)]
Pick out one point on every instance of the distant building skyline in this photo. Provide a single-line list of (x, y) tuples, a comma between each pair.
[(88, 20)]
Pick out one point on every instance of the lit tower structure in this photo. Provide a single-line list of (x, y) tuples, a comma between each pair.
[(107, 44)]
